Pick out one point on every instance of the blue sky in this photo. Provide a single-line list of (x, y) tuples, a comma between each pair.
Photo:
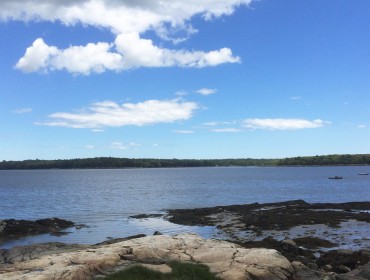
[(183, 79)]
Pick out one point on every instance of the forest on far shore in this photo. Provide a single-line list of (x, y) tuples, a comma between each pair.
[(113, 162)]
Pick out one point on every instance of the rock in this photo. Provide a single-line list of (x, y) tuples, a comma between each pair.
[(116, 240), (31, 252), (146, 216), (304, 273), (343, 269), (289, 246), (229, 261), (350, 259), (362, 272), (17, 228), (157, 233), (2, 225), (327, 268)]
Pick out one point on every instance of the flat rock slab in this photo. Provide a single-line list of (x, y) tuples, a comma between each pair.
[(229, 261)]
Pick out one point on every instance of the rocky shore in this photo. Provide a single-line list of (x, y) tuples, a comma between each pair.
[(12, 229), (227, 260), (287, 240), (330, 237)]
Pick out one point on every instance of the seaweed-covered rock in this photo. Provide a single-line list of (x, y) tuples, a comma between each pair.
[(16, 228)]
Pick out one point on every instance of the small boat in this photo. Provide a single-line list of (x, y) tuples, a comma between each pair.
[(336, 177), (363, 173)]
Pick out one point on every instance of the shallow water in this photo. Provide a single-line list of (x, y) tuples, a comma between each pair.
[(104, 199)]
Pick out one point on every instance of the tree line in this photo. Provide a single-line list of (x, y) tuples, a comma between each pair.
[(113, 162)]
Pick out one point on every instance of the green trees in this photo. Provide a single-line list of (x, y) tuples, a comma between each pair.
[(112, 162)]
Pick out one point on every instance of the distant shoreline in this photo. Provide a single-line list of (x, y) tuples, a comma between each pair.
[(124, 163)]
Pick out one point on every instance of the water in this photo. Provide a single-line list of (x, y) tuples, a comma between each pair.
[(103, 199)]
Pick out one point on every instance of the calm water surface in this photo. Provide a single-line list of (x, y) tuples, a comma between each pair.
[(104, 199)]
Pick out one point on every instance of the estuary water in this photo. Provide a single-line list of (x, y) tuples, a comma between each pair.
[(104, 199)]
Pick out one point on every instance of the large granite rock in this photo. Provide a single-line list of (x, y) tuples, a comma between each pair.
[(229, 261)]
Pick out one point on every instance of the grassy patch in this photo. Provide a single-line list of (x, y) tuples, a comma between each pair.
[(180, 271)]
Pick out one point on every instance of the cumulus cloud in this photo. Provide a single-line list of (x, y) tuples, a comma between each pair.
[(36, 57), (120, 16), (76, 59), (127, 52), (206, 91), (111, 114), (127, 19), (282, 124)]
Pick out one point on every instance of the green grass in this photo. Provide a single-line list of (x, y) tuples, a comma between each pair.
[(180, 271)]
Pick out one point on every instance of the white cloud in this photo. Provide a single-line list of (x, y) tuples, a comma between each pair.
[(110, 114), (282, 124), (22, 111), (295, 98), (127, 52), (36, 57), (121, 16), (361, 126), (118, 146), (219, 123), (206, 91), (127, 19), (184, 131), (90, 147), (226, 129), (181, 93), (121, 146)]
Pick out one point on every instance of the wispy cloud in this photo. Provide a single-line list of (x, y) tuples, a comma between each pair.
[(118, 146), (362, 126), (111, 114), (22, 110), (184, 131), (227, 129), (282, 124), (295, 98), (122, 146), (90, 147), (219, 123), (206, 91)]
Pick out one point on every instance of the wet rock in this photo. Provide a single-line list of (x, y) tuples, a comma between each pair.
[(343, 269), (327, 268), (350, 259), (17, 228), (362, 271), (146, 216), (310, 242), (289, 246), (273, 216), (116, 240), (157, 233), (302, 272)]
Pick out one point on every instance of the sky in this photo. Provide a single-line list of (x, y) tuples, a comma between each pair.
[(183, 78)]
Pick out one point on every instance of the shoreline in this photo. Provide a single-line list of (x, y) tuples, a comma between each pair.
[(323, 237)]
